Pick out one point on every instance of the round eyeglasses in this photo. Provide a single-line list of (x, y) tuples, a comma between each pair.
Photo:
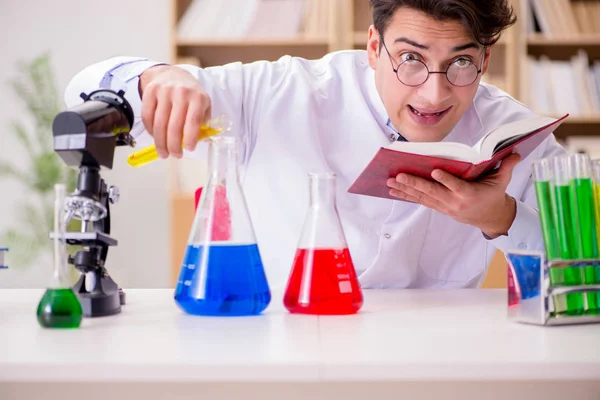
[(461, 72)]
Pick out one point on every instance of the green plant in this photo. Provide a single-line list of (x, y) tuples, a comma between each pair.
[(43, 168)]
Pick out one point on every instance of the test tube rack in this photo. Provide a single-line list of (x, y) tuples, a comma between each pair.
[(531, 296)]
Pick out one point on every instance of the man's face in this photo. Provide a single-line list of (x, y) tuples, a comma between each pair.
[(429, 111)]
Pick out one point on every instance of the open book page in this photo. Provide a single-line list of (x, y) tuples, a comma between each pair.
[(449, 150), (484, 149), (507, 134)]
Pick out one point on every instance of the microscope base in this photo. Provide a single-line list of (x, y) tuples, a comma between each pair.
[(106, 298)]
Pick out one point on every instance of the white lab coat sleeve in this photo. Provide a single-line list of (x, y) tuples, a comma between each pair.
[(237, 90), (526, 232), (117, 73)]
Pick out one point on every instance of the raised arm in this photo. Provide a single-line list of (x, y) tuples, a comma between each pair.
[(170, 102)]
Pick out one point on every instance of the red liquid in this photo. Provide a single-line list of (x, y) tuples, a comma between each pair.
[(221, 224), (323, 281), (513, 295)]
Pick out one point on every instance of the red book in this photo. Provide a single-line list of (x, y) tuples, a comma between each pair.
[(465, 162)]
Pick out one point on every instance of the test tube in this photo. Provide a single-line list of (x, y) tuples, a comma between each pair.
[(583, 186), (565, 204), (596, 173), (542, 176), (212, 127)]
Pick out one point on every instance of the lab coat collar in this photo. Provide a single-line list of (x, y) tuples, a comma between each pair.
[(375, 103)]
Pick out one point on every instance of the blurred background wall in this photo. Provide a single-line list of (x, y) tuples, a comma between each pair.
[(75, 34)]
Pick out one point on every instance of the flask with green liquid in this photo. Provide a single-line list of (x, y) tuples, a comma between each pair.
[(59, 307)]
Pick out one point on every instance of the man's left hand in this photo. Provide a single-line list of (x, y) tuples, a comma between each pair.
[(483, 203)]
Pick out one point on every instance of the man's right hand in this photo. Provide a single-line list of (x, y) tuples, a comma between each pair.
[(174, 106)]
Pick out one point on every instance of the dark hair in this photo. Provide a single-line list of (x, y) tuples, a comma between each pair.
[(484, 20)]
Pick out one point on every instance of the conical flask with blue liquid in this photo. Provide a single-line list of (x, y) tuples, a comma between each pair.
[(222, 272)]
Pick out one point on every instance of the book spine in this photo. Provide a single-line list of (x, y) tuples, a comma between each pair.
[(478, 171)]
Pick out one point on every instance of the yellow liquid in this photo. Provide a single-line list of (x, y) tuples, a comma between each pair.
[(597, 206), (149, 154)]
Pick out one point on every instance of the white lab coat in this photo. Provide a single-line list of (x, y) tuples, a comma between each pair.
[(296, 116)]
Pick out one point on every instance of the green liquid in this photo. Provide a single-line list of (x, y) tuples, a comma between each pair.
[(566, 223), (59, 308), (543, 192), (568, 239), (584, 192), (597, 268)]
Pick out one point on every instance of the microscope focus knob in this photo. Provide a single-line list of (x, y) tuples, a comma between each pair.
[(113, 194)]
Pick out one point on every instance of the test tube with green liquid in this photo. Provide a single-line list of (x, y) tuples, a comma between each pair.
[(542, 176), (565, 205), (583, 185), (596, 172)]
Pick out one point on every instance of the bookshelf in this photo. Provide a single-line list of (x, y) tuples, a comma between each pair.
[(552, 32)]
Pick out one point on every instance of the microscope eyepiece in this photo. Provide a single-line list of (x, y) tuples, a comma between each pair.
[(87, 134)]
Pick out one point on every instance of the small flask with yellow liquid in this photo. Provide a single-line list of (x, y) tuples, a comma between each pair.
[(212, 127)]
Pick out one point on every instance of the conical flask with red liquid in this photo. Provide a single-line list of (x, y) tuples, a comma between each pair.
[(222, 272), (323, 280)]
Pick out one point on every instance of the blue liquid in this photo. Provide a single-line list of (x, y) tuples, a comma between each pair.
[(222, 281)]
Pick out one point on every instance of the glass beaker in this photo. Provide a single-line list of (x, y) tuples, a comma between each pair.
[(59, 306), (323, 279), (222, 272)]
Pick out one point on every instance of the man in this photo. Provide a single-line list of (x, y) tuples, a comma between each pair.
[(419, 80)]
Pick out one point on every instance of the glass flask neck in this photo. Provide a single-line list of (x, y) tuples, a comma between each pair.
[(322, 226), (322, 190), (223, 159), (222, 214), (60, 278)]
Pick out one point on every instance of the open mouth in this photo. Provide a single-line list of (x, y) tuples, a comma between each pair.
[(427, 117), (422, 113)]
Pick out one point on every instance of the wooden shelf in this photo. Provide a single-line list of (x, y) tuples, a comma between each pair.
[(254, 42), (588, 125), (569, 41), (586, 119)]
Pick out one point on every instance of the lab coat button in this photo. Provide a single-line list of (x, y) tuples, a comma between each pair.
[(522, 246), (392, 137), (387, 236)]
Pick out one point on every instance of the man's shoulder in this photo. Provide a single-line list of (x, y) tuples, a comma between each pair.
[(343, 60), (496, 107)]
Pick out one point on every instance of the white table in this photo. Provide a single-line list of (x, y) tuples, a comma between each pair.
[(403, 344)]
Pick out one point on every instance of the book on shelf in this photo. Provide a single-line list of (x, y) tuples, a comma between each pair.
[(465, 162), (555, 87), (562, 18), (205, 20)]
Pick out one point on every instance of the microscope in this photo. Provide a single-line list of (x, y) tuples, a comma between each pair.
[(85, 137)]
